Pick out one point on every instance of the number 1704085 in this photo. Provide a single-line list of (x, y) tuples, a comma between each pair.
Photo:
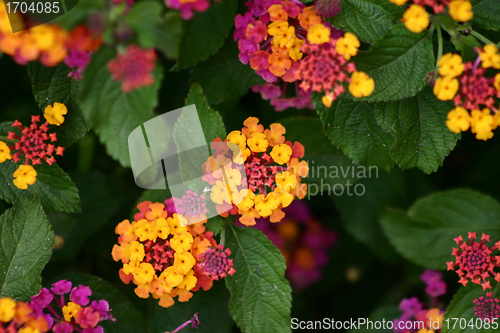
[(475, 323), (33, 7)]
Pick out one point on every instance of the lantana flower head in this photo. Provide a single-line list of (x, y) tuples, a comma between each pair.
[(474, 261), (65, 309), (32, 144), (263, 179), (160, 253), (474, 93), (134, 68), (487, 307), (81, 44)]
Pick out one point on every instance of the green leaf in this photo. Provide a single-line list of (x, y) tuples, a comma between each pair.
[(129, 318), (399, 63), (99, 203), (466, 46), (325, 161), (53, 187), (212, 125), (206, 33), (216, 224), (26, 247), (486, 14), (360, 213), (211, 306), (52, 84), (260, 295), (112, 113), (165, 35), (422, 139), (425, 234), (223, 76), (462, 307), (351, 125), (369, 20)]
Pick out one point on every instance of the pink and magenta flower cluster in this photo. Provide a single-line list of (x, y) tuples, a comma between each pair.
[(70, 313)]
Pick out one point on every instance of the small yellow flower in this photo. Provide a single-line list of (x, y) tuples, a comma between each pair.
[(258, 142), (25, 175), (399, 2), (237, 138), (189, 281), (183, 262), (416, 19), (265, 205), (294, 49), (361, 85), (490, 57), (55, 114), (181, 243), (461, 10), (7, 309), (4, 152), (446, 88), (451, 65), (458, 120), (347, 45), (144, 273), (482, 124), (135, 250), (281, 153), (318, 34), (70, 310), (171, 277)]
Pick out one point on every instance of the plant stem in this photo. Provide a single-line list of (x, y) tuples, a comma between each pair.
[(440, 44), (481, 37)]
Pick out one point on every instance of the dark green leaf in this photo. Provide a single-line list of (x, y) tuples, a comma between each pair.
[(466, 46), (223, 76), (212, 125), (367, 19), (52, 84), (129, 318), (164, 35), (205, 33), (216, 224), (324, 159), (211, 306), (462, 307), (112, 113), (425, 234), (99, 203), (419, 127), (486, 14), (360, 213), (399, 62), (53, 187), (351, 125), (26, 247), (260, 295)]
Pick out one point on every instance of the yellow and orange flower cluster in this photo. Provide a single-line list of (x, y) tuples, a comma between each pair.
[(474, 94), (47, 43), (160, 253), (17, 317), (417, 19), (256, 173)]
